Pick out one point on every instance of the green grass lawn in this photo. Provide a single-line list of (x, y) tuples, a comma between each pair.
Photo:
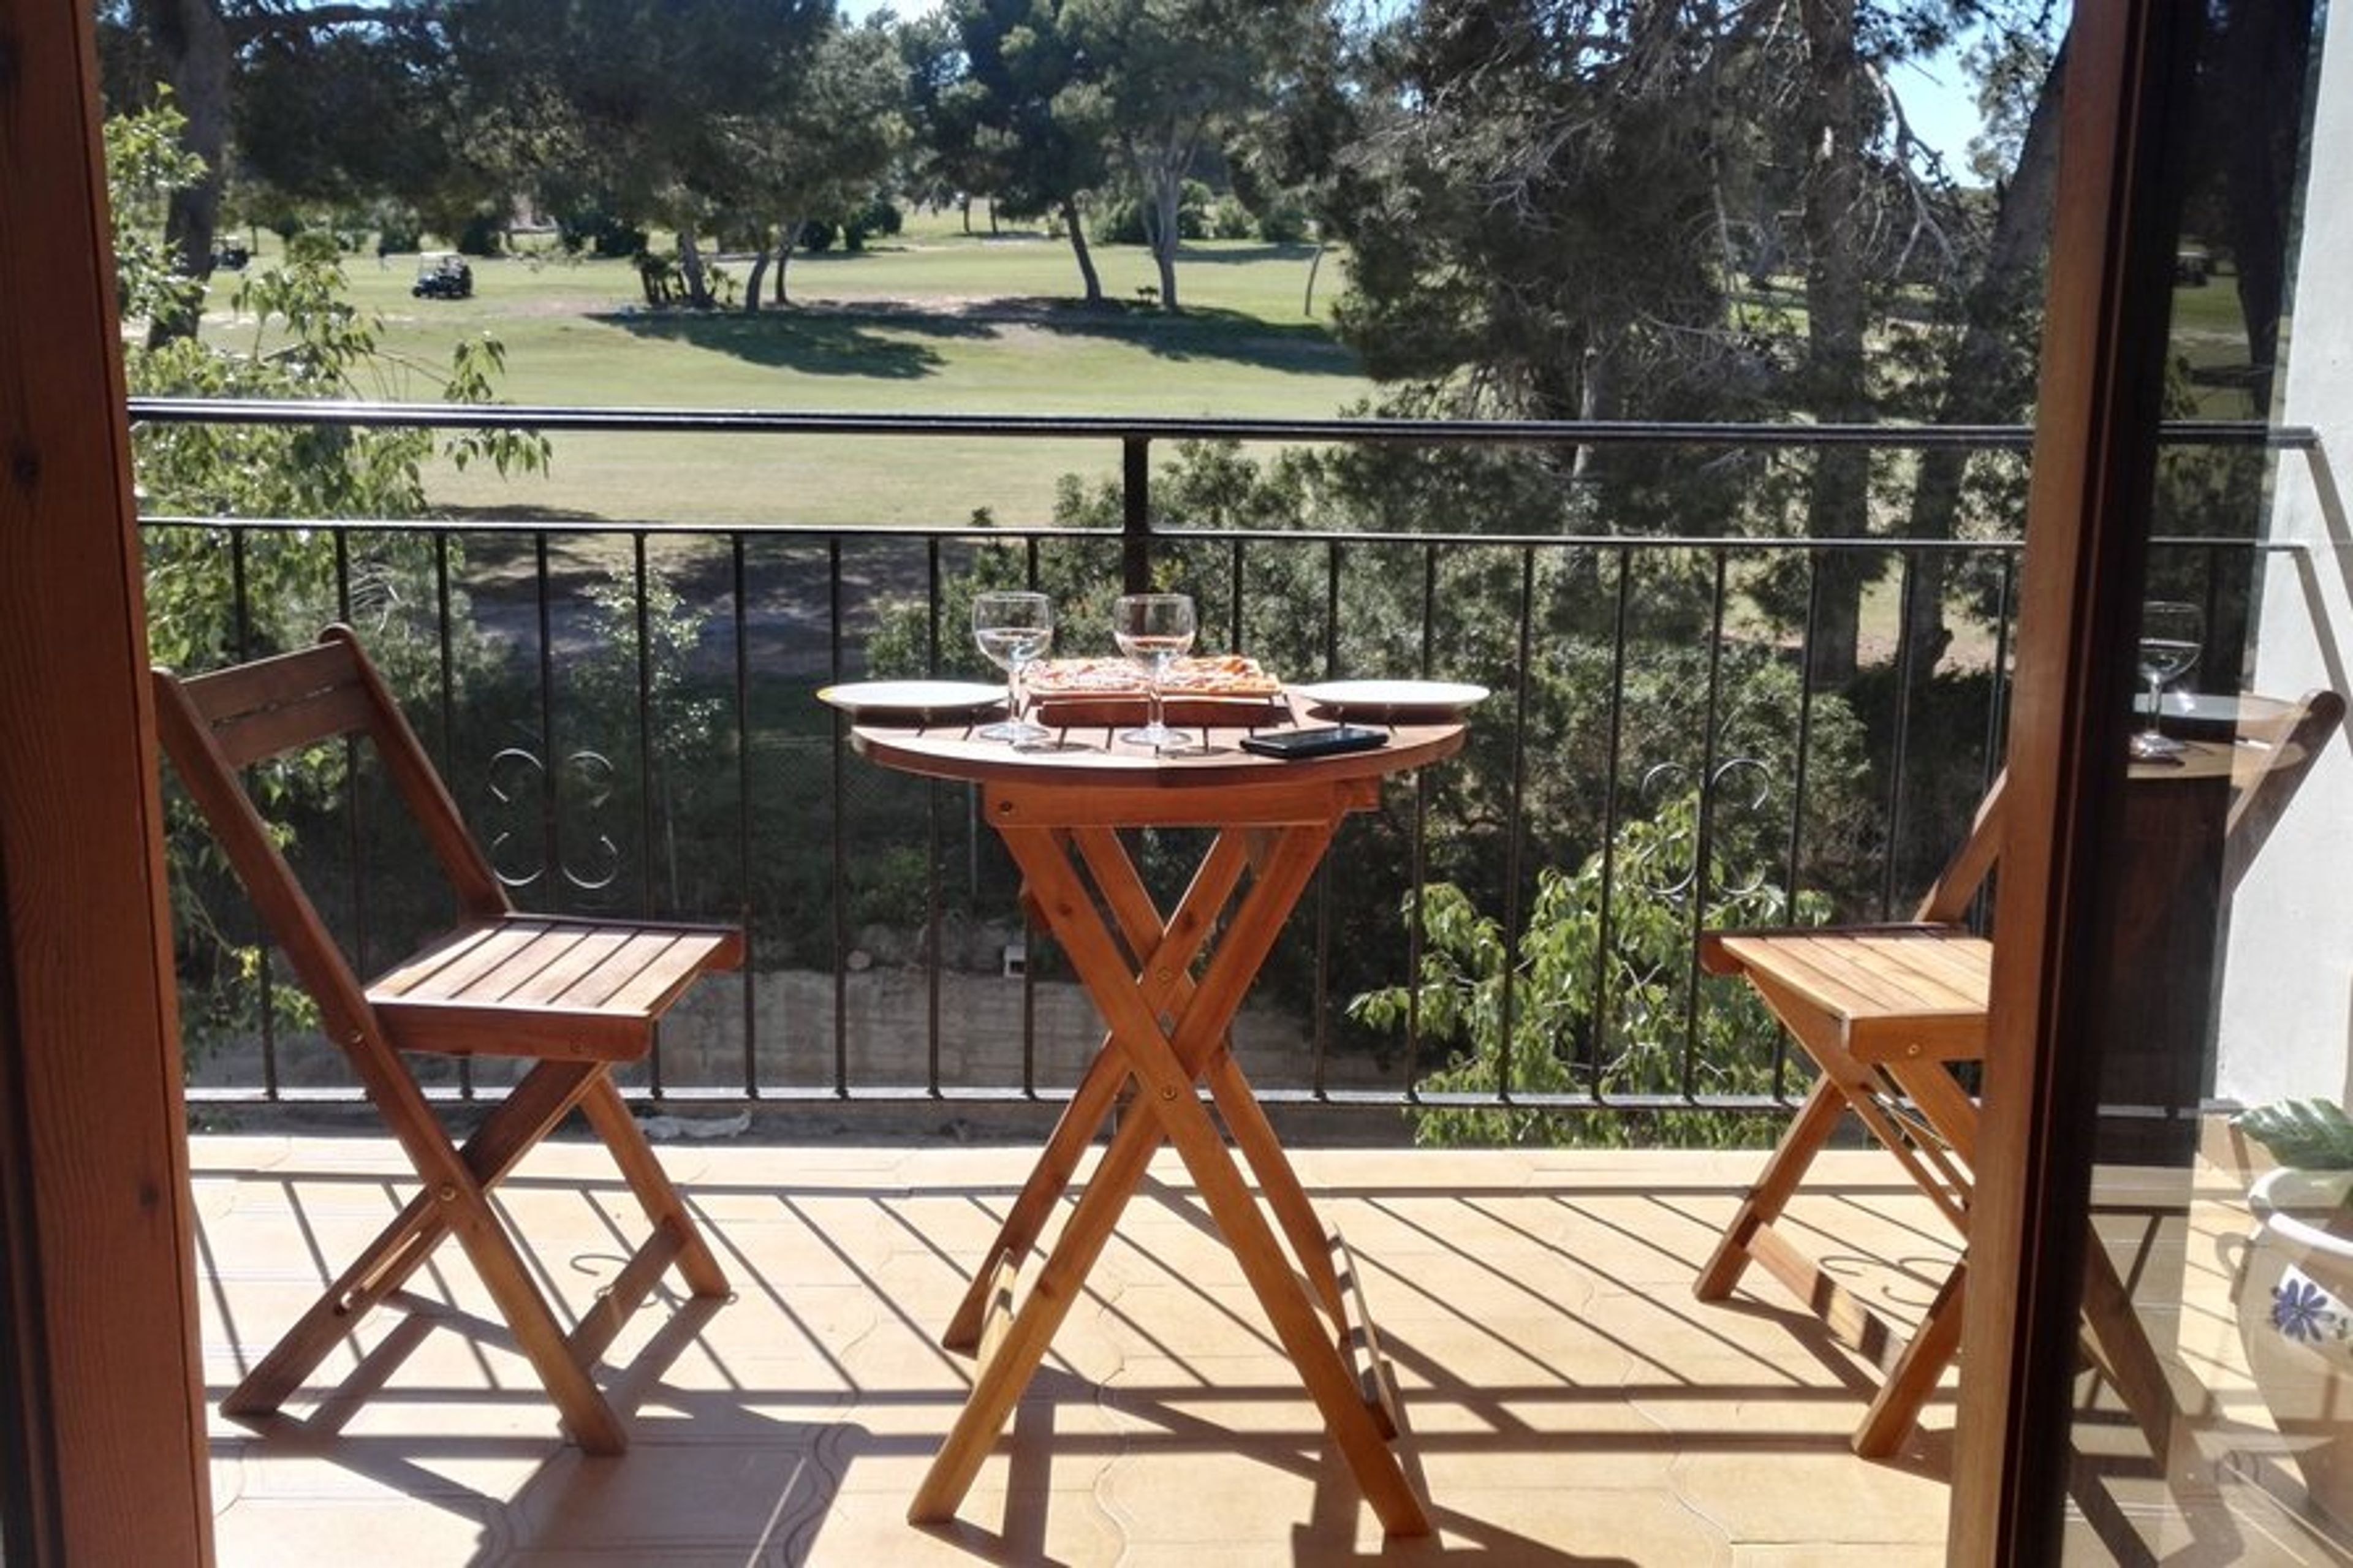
[(932, 322)]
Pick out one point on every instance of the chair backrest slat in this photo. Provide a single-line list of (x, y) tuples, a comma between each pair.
[(279, 705), (288, 726), (210, 779)]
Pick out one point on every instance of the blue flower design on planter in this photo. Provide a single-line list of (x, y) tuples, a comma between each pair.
[(2302, 1312)]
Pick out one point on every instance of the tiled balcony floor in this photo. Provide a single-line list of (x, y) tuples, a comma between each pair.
[(1566, 1401)]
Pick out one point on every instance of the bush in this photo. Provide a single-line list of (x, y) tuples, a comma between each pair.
[(1126, 219), (398, 228), (484, 234), (1284, 223), (598, 233), (880, 216), (1231, 220)]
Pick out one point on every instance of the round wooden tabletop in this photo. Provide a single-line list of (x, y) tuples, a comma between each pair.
[(1095, 756)]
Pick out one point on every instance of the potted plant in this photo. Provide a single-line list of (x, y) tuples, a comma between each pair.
[(2295, 1298)]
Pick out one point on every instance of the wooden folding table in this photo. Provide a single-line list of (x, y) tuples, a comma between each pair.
[(1167, 986)]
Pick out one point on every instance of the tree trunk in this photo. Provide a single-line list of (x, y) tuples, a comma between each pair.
[(689, 265), (1838, 506), (195, 44), (1079, 248), (1977, 391), (1167, 189), (789, 239), (753, 280)]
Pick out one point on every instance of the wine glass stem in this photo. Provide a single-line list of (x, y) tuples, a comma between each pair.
[(2156, 708)]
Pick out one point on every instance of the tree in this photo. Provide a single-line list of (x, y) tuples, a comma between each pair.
[(1024, 120), (1171, 74), (818, 149), (636, 107), (196, 43), (1600, 988)]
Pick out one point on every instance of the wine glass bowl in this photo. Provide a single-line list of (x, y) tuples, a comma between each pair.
[(1012, 628), (1152, 631), (2170, 636)]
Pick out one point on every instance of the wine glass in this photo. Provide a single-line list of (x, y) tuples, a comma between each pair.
[(1153, 630), (1012, 628), (2169, 638)]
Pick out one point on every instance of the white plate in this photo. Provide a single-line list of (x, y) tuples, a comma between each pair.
[(913, 699), (2212, 717), (1392, 696)]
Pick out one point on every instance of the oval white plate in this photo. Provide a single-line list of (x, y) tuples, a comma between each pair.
[(1392, 696), (913, 699)]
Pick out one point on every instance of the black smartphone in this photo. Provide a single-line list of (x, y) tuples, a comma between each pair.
[(1326, 741)]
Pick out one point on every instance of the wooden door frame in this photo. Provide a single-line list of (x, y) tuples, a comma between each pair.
[(103, 1402), (2130, 81)]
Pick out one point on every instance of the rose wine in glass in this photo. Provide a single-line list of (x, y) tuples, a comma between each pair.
[(2169, 638), (1153, 630), (1013, 628)]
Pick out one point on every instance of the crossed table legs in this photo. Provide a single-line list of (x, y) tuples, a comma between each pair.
[(1168, 1034)]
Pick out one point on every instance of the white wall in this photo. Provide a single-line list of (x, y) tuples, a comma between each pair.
[(2287, 1009)]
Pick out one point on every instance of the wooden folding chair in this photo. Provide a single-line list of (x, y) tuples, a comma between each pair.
[(576, 996), (1887, 1012)]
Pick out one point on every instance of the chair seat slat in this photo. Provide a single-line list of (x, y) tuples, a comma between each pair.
[(457, 960)]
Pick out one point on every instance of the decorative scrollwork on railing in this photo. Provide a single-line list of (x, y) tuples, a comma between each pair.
[(517, 782), (1665, 782)]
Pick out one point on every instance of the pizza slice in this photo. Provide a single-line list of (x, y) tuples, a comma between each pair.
[(1212, 674)]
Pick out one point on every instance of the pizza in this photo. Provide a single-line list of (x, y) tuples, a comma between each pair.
[(1216, 675)]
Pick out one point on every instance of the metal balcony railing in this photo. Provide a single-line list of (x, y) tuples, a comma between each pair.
[(627, 711)]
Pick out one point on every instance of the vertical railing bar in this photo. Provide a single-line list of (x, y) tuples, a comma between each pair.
[(1236, 632), (1319, 1033), (354, 817), (840, 836), (1799, 770), (1135, 514), (1320, 1027), (1703, 833), (2207, 678), (1900, 733), (740, 621), (551, 878), (1331, 609), (240, 596), (1605, 933), (447, 713), (1804, 757), (1417, 885), (1028, 932), (1997, 713), (641, 582), (933, 925), (1998, 697), (1517, 830), (241, 620)]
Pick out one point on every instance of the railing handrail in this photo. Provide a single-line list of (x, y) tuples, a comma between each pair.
[(1451, 432)]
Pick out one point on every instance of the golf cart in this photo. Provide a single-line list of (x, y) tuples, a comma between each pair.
[(443, 275)]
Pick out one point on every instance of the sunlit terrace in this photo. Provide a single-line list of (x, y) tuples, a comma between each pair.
[(849, 1119), (1564, 1399)]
